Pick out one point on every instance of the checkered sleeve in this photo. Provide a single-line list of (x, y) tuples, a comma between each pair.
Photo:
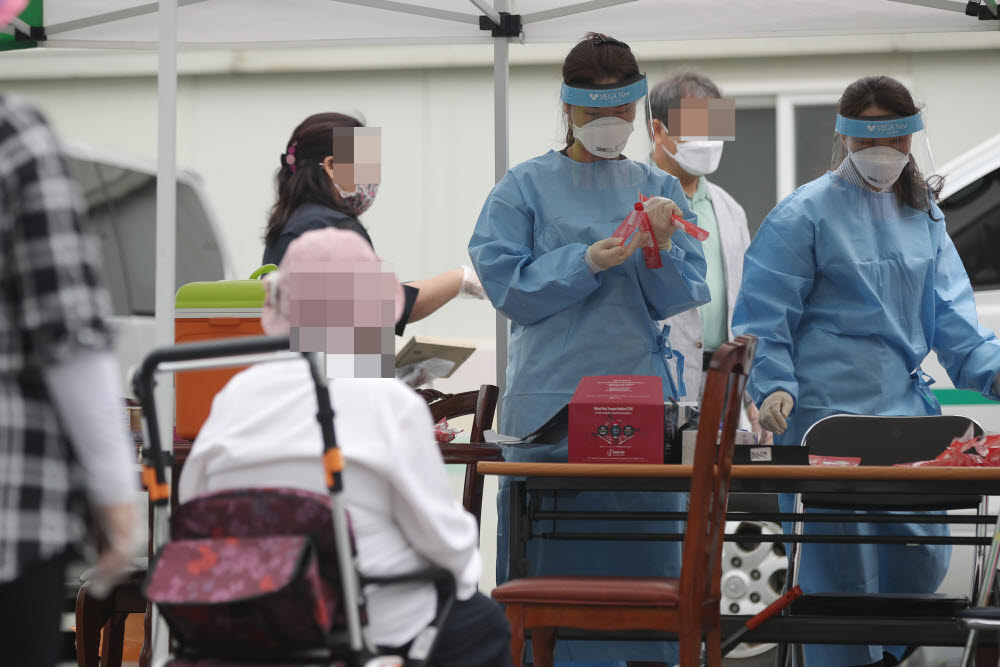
[(57, 294)]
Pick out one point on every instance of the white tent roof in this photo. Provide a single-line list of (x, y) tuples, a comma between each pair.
[(242, 24)]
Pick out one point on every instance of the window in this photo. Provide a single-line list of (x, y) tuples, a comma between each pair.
[(748, 168), (972, 215), (777, 149), (813, 141)]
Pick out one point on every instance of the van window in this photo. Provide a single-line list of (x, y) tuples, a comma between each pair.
[(972, 215), (121, 208)]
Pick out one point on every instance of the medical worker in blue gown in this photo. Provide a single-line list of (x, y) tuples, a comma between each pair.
[(580, 304), (849, 283)]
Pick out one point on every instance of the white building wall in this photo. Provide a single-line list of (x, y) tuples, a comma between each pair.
[(435, 108)]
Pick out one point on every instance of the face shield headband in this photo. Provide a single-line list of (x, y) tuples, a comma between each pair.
[(880, 149), (870, 128), (632, 89), (605, 136)]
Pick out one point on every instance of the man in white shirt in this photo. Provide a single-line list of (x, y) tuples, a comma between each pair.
[(698, 332), (262, 431)]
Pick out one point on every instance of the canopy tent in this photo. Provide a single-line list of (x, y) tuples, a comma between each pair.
[(245, 24), (242, 24)]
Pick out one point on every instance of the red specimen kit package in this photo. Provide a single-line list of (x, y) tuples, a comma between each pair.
[(617, 419)]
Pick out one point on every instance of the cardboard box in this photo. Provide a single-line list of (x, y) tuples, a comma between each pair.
[(617, 419)]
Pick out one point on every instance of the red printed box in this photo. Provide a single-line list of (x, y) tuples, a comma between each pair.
[(617, 419)]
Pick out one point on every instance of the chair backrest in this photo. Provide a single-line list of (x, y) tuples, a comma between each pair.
[(482, 404), (701, 567), (882, 441)]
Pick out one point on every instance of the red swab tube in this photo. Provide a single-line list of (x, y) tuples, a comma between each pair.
[(693, 230)]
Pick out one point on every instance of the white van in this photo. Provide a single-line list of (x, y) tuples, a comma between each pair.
[(970, 201), (120, 193)]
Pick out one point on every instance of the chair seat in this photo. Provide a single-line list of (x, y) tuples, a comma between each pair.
[(897, 503), (981, 613), (609, 591), (884, 604)]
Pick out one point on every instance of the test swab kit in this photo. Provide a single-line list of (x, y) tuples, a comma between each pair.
[(617, 419)]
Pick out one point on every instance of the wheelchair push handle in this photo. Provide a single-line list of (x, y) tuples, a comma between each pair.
[(230, 352)]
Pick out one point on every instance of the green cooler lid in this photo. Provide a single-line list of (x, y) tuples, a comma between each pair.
[(222, 294)]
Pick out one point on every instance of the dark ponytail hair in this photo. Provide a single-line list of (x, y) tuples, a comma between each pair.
[(597, 57), (911, 187), (305, 181)]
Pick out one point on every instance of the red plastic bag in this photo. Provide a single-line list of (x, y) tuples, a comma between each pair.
[(445, 433), (964, 452)]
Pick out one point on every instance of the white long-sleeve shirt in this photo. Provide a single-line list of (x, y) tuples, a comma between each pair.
[(262, 431)]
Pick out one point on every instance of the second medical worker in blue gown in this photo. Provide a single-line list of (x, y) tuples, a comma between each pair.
[(581, 305), (849, 283)]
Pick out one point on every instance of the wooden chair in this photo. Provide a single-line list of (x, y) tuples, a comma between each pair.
[(109, 614), (482, 405), (688, 606)]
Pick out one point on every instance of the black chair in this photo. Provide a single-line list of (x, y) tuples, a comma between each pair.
[(881, 441), (978, 619)]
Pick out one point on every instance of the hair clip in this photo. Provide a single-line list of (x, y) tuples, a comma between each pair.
[(288, 157), (602, 39)]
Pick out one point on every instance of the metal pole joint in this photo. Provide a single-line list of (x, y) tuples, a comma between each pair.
[(509, 26)]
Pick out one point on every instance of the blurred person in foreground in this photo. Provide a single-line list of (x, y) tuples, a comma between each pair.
[(333, 295), (63, 445), (690, 120)]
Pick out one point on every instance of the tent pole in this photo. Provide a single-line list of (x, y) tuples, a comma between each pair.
[(501, 156), (166, 250), (110, 17)]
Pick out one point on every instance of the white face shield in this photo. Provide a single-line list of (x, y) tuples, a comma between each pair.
[(603, 116), (880, 149)]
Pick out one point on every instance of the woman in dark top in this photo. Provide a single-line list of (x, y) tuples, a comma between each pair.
[(312, 194)]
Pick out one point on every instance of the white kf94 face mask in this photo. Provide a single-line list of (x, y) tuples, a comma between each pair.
[(880, 165), (604, 137), (697, 158)]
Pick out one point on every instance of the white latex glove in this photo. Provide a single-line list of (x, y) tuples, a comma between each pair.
[(609, 252), (471, 287), (773, 411), (659, 210), (118, 521)]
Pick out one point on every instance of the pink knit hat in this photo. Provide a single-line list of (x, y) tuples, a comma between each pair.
[(330, 277), (9, 9)]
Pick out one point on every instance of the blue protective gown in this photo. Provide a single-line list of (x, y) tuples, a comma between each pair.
[(567, 323), (847, 291)]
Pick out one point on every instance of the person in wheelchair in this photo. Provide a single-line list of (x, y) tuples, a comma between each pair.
[(333, 295)]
